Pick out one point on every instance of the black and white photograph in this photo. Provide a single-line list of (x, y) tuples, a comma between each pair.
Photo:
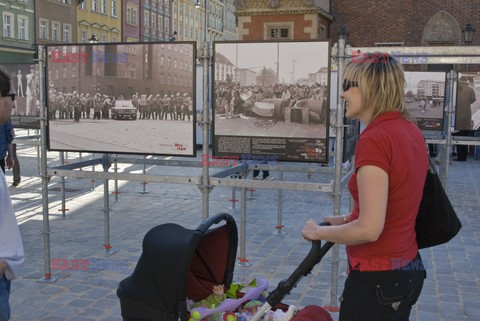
[(132, 98), (26, 80), (425, 98), (467, 111), (272, 98)]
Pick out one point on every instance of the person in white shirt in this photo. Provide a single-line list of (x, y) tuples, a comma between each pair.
[(11, 247)]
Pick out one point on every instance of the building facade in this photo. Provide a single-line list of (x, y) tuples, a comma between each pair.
[(56, 21), (18, 35), (131, 20), (224, 68), (189, 20), (164, 69), (283, 19), (155, 20), (405, 23), (100, 17)]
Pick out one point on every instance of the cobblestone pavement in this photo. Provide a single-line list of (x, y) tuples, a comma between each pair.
[(451, 291)]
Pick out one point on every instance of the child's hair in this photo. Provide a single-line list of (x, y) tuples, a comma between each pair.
[(381, 81)]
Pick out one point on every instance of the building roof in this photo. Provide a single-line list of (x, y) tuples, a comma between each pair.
[(221, 59)]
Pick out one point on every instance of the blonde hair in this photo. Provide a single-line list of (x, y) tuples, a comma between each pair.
[(381, 81)]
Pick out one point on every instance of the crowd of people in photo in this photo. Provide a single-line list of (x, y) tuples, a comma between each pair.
[(77, 105), (235, 100)]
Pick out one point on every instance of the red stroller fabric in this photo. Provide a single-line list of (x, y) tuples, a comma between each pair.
[(312, 313)]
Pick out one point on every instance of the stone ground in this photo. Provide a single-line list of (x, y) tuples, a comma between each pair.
[(451, 291)]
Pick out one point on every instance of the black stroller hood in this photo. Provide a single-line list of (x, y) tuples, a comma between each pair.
[(177, 263)]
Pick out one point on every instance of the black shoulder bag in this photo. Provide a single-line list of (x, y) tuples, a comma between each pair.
[(437, 222)]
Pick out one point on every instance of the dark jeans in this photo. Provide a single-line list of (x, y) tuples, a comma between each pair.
[(4, 297), (381, 296), (2, 165)]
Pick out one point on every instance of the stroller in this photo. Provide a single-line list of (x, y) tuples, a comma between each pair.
[(177, 263)]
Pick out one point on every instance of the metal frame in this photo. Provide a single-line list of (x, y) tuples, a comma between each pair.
[(445, 55)]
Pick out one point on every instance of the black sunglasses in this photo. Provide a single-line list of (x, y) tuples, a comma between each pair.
[(10, 95), (347, 84)]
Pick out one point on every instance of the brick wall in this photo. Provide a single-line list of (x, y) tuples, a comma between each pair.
[(370, 21)]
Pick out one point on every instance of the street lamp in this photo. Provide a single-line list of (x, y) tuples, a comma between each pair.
[(468, 34), (197, 5)]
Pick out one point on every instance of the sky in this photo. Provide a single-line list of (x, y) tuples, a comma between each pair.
[(309, 57)]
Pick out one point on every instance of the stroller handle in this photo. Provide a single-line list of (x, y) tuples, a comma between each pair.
[(317, 252), (215, 219)]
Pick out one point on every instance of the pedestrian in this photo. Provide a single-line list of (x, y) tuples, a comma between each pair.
[(16, 164), (386, 271), (6, 147), (463, 115), (11, 247)]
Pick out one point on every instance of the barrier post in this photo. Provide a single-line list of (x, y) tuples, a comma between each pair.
[(47, 278), (280, 228), (242, 259), (62, 188), (144, 183), (106, 210)]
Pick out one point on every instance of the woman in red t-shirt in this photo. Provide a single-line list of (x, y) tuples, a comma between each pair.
[(386, 271)]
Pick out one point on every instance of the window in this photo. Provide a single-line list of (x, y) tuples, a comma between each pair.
[(279, 33), (114, 8), (132, 15), (104, 38), (103, 8), (95, 5), (154, 20), (162, 60), (114, 39), (83, 5), (84, 36), (22, 27), (160, 23), (67, 33), (146, 20), (66, 2), (167, 25), (8, 28), (43, 29), (55, 31)]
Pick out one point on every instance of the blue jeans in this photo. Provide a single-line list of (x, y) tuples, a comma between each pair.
[(4, 296)]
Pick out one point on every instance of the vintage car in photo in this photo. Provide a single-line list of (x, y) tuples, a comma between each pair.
[(124, 109)]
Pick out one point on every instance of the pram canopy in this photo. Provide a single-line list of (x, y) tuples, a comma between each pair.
[(176, 264)]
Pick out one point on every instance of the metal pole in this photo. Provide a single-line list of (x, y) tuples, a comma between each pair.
[(243, 227), (338, 170), (234, 199), (39, 165), (144, 183), (106, 209), (93, 170), (43, 146), (62, 187), (115, 168), (279, 229), (448, 145), (206, 121)]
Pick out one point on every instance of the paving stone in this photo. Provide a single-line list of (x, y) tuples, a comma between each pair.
[(450, 292)]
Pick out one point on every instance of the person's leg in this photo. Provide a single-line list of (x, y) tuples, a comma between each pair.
[(4, 297), (2, 165), (16, 167)]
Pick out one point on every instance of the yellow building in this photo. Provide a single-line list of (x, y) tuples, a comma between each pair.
[(100, 17)]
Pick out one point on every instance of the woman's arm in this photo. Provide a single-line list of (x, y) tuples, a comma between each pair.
[(372, 182)]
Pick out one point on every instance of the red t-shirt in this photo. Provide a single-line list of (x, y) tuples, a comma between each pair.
[(396, 146)]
